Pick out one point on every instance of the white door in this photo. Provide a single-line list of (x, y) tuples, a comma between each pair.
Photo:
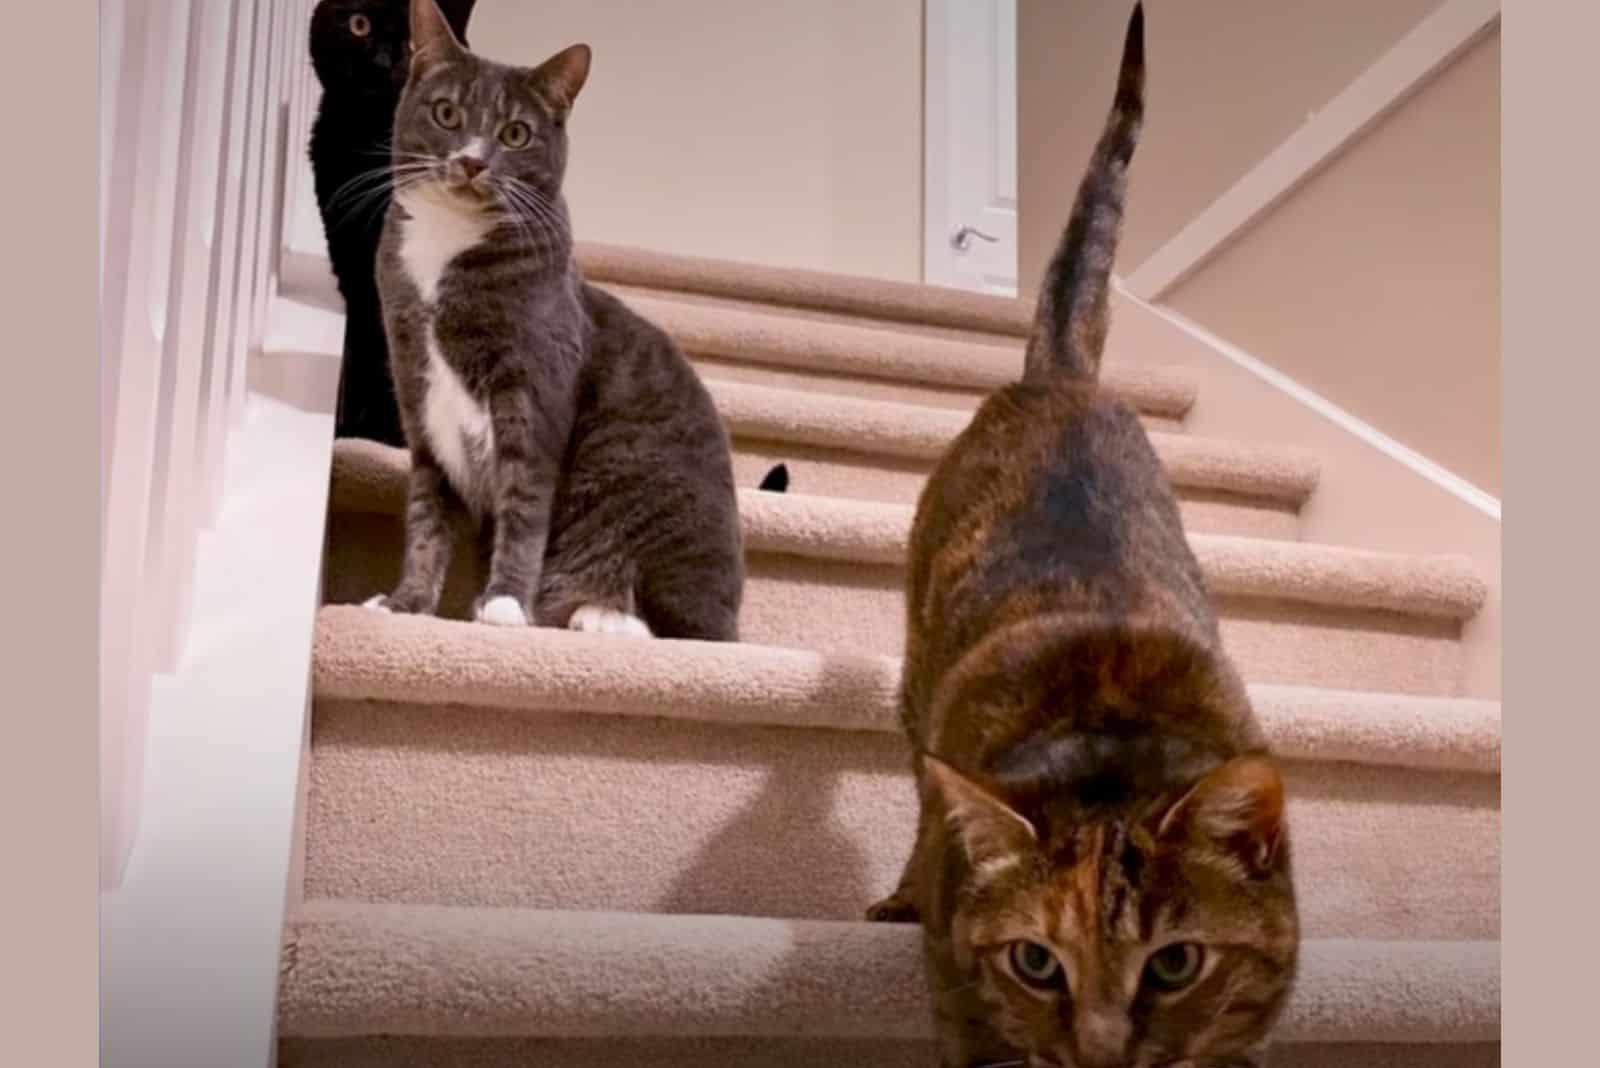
[(970, 173)]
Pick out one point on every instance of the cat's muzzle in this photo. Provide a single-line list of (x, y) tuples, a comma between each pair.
[(464, 174)]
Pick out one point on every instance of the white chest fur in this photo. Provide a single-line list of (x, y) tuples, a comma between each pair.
[(459, 430), (457, 423), (437, 232)]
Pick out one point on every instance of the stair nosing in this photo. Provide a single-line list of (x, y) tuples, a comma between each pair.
[(371, 477), (360, 655), (604, 972), (1279, 473), (881, 352), (867, 297)]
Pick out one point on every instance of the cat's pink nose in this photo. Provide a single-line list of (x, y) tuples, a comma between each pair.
[(470, 167)]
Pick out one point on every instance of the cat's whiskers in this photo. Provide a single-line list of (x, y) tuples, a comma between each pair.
[(538, 215), (376, 177), (360, 197), (544, 228), (542, 204), (956, 989), (513, 214)]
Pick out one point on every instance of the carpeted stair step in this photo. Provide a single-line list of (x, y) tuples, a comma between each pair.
[(352, 970), (460, 764), (857, 295), (885, 450), (758, 345), (414, 1051), (827, 336), (828, 573)]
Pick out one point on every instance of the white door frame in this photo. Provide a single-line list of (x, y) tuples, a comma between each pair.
[(969, 143)]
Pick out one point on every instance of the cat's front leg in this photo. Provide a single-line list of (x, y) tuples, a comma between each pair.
[(526, 467), (431, 505)]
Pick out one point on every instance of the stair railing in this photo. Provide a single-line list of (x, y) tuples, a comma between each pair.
[(199, 101)]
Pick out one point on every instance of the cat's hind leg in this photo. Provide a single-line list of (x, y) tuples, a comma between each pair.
[(693, 603), (589, 592)]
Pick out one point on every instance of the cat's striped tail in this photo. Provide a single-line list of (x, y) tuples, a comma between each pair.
[(1069, 329)]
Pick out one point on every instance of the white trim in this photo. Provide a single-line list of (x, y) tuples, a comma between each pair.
[(198, 919), (935, 135), (1446, 480), (1430, 46)]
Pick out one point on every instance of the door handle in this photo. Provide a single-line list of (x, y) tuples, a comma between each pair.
[(964, 235)]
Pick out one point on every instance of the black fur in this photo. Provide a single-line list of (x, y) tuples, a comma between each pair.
[(777, 480), (361, 78)]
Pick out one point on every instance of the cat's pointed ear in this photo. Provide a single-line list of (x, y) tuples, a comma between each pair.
[(432, 40), (560, 78), (1237, 807), (986, 827)]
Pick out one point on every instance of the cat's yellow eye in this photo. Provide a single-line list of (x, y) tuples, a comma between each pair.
[(1174, 967), (1035, 965), (360, 25), (516, 134), (446, 114)]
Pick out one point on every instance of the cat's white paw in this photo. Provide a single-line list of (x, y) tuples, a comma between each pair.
[(379, 603), (594, 619), (502, 612)]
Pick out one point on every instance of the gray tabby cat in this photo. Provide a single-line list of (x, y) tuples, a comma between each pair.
[(569, 430)]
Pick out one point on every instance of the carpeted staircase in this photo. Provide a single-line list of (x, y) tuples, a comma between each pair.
[(544, 848)]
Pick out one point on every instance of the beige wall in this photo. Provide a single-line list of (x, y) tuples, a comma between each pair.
[(1228, 81), (1377, 283), (785, 132)]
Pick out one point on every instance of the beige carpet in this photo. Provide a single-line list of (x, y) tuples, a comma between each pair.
[(546, 848)]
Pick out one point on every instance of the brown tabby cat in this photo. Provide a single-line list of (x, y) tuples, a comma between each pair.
[(1102, 866)]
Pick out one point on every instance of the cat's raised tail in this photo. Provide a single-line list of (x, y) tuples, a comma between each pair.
[(1069, 328)]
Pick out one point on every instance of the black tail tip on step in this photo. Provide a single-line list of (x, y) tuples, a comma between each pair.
[(777, 480)]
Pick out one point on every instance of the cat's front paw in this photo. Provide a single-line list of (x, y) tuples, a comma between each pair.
[(893, 909), (594, 619), (501, 611), (403, 601)]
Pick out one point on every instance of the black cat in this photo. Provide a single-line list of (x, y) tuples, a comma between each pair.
[(360, 52)]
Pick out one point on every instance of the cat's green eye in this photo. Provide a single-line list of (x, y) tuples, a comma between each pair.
[(446, 114), (1174, 967), (1035, 965), (360, 25), (516, 134)]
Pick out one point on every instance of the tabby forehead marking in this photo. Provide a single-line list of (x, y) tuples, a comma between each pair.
[(436, 232)]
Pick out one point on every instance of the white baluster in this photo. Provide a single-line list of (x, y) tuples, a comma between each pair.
[(177, 497), (132, 357), (255, 186), (228, 242)]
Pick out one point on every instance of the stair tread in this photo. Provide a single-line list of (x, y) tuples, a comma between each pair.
[(353, 968), (884, 352), (883, 349), (879, 298), (364, 655), (370, 477), (922, 432)]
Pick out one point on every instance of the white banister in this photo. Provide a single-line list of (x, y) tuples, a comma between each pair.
[(130, 347), (203, 102), (213, 503)]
